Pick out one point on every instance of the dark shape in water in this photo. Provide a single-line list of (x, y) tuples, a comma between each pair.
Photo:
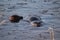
[(15, 18), (37, 24), (33, 18), (35, 21)]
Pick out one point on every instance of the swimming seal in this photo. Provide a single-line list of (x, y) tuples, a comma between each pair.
[(35, 21)]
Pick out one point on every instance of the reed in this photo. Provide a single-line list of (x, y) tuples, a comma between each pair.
[(51, 33)]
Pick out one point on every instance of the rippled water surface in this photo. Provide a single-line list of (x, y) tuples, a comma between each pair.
[(48, 10)]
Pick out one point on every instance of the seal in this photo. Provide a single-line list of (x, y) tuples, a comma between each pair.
[(35, 21)]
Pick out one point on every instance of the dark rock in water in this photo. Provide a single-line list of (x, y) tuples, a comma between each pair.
[(15, 18)]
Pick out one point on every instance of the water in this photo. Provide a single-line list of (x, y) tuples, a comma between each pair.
[(47, 10)]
